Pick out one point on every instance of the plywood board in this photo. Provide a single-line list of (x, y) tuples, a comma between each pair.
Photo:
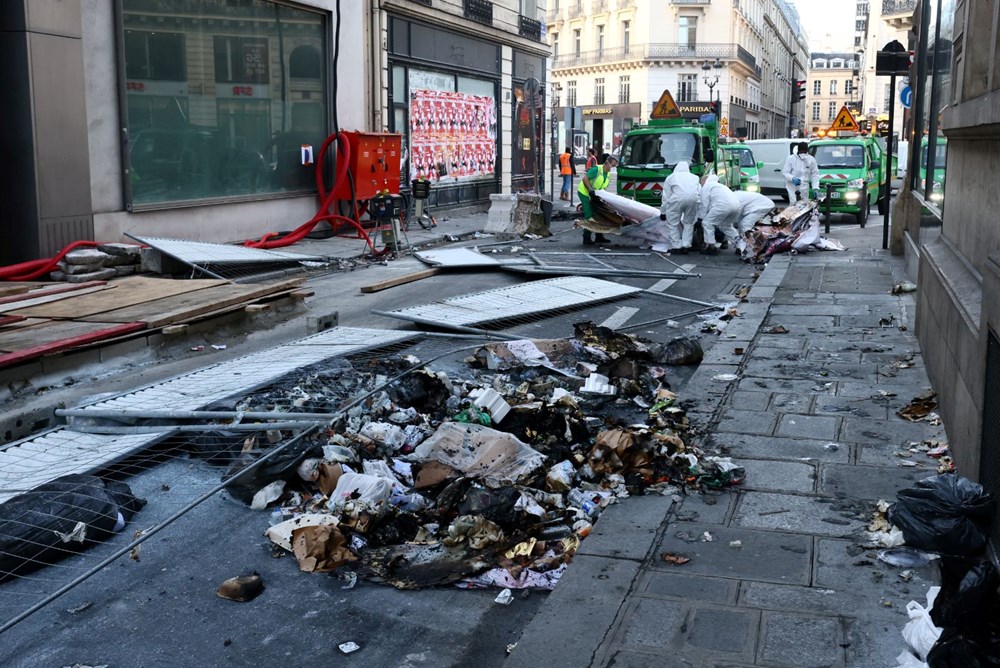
[(27, 300), (7, 289), (21, 322), (399, 280), (46, 332), (33, 290), (128, 292), (180, 308), (102, 333)]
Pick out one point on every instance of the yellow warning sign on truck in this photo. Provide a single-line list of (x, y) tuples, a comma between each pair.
[(665, 107), (845, 122)]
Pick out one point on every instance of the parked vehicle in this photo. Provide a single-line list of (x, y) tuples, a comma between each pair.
[(855, 167), (940, 163), (650, 152), (748, 165), (772, 153)]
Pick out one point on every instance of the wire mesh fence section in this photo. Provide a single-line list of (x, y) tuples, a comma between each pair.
[(336, 381)]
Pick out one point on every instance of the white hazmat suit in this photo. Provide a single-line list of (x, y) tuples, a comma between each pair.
[(719, 209), (753, 207), (800, 167), (680, 204)]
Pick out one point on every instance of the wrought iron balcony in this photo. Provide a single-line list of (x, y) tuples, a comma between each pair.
[(529, 28), (698, 52), (625, 4), (690, 2), (576, 10), (553, 15), (480, 11), (599, 6), (890, 7)]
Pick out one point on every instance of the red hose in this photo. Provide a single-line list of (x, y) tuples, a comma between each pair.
[(35, 269), (327, 200)]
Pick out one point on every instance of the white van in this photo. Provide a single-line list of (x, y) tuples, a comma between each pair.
[(773, 153)]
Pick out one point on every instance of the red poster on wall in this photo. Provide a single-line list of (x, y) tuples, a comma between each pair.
[(452, 135)]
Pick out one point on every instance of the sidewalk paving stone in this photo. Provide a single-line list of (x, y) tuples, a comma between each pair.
[(799, 640), (794, 403), (713, 508), (894, 432), (767, 556), (857, 406), (775, 476), (745, 422), (867, 482), (796, 449), (634, 527), (749, 401), (792, 513), (807, 426), (756, 383), (697, 587), (654, 623)]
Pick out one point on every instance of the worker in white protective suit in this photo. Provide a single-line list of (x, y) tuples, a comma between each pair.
[(679, 207), (753, 207), (800, 173), (719, 209)]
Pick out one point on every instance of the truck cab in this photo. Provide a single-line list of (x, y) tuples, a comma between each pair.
[(650, 153), (855, 167), (748, 166)]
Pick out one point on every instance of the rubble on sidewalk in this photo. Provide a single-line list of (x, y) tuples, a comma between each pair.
[(104, 262), (415, 486)]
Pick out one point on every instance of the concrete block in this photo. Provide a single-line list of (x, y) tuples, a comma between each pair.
[(321, 323), (123, 348)]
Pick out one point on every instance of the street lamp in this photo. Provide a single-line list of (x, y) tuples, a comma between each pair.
[(712, 81)]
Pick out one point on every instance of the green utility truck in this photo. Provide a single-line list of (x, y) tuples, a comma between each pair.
[(650, 152), (748, 166), (936, 191), (855, 167)]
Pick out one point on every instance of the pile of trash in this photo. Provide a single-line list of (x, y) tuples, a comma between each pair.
[(489, 474), (949, 519), (796, 228)]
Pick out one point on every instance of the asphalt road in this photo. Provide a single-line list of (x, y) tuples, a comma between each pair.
[(161, 610)]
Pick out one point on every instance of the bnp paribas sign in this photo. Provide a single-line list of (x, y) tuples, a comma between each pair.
[(695, 109)]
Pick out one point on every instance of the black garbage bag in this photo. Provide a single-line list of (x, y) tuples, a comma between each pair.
[(958, 649), (946, 513), (282, 466), (59, 519), (682, 351), (968, 597)]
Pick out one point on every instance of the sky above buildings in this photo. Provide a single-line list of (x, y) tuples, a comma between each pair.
[(829, 23)]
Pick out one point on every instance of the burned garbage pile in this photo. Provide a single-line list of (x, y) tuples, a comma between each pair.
[(948, 519), (796, 228), (59, 519), (489, 474)]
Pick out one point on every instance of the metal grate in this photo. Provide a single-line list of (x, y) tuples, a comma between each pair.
[(989, 450), (480, 11), (509, 302)]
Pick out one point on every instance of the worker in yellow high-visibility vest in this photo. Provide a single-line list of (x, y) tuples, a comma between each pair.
[(596, 178)]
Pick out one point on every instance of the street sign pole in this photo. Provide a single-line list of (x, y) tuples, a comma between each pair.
[(888, 164)]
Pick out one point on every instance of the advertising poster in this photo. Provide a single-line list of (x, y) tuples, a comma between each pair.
[(452, 135)]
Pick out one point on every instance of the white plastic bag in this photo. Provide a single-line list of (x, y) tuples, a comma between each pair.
[(907, 660), (368, 489), (920, 633)]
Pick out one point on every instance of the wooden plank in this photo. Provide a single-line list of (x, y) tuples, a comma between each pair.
[(60, 345), (399, 280), (11, 319), (171, 310), (45, 332), (42, 289), (21, 322), (27, 301), (130, 291), (8, 289)]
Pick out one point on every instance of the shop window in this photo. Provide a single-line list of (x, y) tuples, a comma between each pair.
[(219, 98)]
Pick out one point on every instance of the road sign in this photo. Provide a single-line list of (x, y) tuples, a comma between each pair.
[(906, 96), (665, 107), (845, 121)]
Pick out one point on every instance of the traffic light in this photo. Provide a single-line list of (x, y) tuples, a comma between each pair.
[(798, 90)]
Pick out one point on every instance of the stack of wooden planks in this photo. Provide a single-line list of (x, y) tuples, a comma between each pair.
[(43, 318)]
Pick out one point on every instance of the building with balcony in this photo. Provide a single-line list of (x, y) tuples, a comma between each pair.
[(784, 60), (887, 21), (830, 85), (612, 59), (187, 119)]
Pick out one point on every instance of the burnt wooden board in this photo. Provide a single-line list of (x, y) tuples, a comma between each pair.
[(127, 292), (28, 300)]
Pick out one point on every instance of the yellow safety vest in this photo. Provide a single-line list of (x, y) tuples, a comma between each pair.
[(600, 183)]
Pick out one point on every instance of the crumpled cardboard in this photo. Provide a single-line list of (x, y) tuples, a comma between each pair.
[(498, 457), (320, 549)]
